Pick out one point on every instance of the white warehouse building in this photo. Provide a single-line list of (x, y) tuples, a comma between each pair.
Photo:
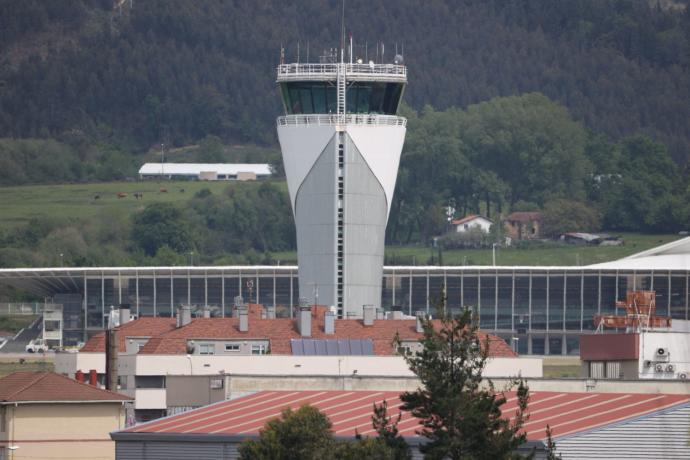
[(206, 171)]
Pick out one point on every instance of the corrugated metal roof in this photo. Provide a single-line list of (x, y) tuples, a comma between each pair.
[(350, 412), (662, 434), (260, 169)]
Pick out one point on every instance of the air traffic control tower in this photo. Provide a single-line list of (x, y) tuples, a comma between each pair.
[(341, 141)]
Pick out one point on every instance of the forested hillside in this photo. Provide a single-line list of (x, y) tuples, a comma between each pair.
[(175, 71)]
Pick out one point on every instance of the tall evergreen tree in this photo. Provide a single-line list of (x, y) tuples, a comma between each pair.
[(460, 412)]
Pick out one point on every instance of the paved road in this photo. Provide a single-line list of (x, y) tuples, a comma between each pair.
[(18, 344)]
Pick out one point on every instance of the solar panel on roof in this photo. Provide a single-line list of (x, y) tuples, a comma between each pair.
[(341, 347), (367, 348), (332, 347), (320, 347), (296, 346)]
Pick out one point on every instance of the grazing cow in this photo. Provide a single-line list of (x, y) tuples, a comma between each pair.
[(163, 190), (121, 195), (138, 196), (181, 190), (96, 197)]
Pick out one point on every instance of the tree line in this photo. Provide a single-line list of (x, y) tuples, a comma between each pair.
[(527, 153), (178, 71)]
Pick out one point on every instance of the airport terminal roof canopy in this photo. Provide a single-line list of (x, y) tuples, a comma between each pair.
[(671, 256), (194, 169), (674, 256)]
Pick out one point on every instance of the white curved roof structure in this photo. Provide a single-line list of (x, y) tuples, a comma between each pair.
[(670, 256)]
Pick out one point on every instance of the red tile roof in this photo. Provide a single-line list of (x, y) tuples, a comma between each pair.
[(279, 331), (468, 218), (350, 412), (49, 386), (142, 327)]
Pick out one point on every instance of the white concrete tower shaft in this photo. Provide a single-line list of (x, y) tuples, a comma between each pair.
[(341, 141)]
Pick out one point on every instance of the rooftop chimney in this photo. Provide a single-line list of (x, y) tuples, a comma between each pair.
[(184, 315), (369, 314), (395, 314), (271, 312), (238, 302), (206, 311), (380, 313), (304, 321), (125, 316), (244, 318), (329, 323), (420, 315)]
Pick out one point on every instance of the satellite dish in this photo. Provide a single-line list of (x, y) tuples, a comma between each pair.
[(398, 59)]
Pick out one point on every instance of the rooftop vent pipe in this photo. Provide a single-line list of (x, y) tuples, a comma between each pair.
[(184, 315), (244, 319), (329, 323), (271, 312), (420, 325), (125, 316), (369, 312), (304, 321)]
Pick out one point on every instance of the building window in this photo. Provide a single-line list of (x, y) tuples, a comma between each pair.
[(216, 383), (207, 349), (3, 415), (404, 349), (150, 381), (232, 347), (259, 349)]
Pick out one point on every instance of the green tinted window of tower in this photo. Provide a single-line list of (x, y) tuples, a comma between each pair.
[(305, 94), (361, 97), (319, 99)]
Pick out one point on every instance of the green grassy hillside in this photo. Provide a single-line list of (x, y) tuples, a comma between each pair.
[(20, 204)]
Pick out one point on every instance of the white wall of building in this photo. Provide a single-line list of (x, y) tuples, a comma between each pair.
[(303, 365), (478, 222), (677, 355)]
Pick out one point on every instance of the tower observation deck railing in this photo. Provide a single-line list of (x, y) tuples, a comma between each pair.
[(370, 72), (331, 120)]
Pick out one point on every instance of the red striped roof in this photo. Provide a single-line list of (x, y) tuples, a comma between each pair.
[(350, 412)]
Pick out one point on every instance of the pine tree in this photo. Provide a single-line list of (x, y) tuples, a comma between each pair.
[(387, 431), (460, 412)]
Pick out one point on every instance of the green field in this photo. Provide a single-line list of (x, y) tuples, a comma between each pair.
[(554, 254), (20, 204), (548, 254)]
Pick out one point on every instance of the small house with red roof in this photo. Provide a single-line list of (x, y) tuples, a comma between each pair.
[(47, 415), (472, 221)]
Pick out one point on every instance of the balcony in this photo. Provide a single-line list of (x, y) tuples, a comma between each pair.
[(337, 120), (364, 72)]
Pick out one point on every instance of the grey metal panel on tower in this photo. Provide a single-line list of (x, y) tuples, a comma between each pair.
[(365, 223), (316, 228)]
